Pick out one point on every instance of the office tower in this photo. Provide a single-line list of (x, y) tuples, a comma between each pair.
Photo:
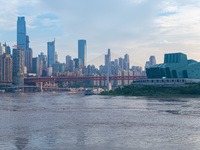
[(72, 66), (116, 62), (36, 66), (121, 63), (28, 61), (43, 58), (21, 34), (5, 68), (126, 62), (82, 50), (18, 66), (68, 58), (152, 60), (51, 53), (78, 63)]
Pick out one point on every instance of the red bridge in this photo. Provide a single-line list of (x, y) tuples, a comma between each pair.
[(91, 78)]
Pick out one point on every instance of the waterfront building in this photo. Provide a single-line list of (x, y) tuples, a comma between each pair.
[(18, 66), (51, 53), (176, 65), (82, 51)]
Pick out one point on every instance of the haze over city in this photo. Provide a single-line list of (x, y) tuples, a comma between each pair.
[(140, 28)]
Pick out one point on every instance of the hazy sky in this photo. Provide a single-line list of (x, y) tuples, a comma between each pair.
[(140, 28)]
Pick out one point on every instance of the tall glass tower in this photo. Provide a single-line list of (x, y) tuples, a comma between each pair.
[(51, 53), (21, 33), (82, 50)]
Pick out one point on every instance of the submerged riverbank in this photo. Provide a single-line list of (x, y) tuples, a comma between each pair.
[(147, 90)]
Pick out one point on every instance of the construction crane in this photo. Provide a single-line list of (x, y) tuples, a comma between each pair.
[(18, 47)]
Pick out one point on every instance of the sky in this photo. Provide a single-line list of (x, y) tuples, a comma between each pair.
[(141, 28)]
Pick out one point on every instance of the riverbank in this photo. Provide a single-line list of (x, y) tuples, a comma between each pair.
[(147, 90)]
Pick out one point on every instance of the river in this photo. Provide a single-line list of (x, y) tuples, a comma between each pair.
[(64, 121)]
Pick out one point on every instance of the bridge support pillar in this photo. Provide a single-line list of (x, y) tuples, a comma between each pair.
[(108, 57), (41, 89)]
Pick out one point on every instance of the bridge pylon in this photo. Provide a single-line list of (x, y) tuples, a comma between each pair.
[(108, 64)]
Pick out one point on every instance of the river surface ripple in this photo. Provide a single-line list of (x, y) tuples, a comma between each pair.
[(64, 121)]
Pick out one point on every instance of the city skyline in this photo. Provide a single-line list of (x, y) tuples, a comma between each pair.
[(124, 27)]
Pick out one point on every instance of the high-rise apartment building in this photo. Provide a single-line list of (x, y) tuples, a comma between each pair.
[(5, 68), (18, 66), (43, 58), (7, 51), (152, 60), (68, 59), (2, 48), (72, 66), (36, 66), (51, 53), (82, 51), (28, 61), (121, 64)]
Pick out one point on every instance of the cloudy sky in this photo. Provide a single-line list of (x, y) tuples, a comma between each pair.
[(140, 28)]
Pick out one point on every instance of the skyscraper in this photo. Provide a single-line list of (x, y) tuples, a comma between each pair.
[(82, 50), (152, 60), (28, 61), (36, 66), (43, 58), (51, 53), (121, 63), (68, 59), (5, 68), (2, 49), (21, 33), (126, 62), (18, 66)]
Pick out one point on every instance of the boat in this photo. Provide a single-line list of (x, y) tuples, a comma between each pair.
[(89, 92), (92, 92)]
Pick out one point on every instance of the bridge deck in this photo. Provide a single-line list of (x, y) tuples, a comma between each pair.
[(91, 78)]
